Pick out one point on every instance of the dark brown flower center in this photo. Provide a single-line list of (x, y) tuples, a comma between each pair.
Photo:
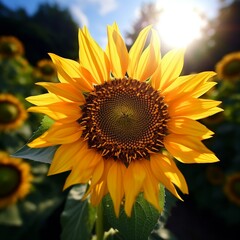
[(235, 187), (47, 70), (125, 119), (9, 112), (10, 179), (232, 68)]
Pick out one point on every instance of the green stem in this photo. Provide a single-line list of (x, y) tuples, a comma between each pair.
[(99, 222)]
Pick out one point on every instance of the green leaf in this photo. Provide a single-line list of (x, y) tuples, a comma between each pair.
[(45, 125), (45, 154), (10, 216), (160, 232), (78, 216), (142, 221)]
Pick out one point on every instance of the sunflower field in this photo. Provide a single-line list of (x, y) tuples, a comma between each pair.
[(119, 143)]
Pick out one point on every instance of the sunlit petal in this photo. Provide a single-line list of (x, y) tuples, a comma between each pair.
[(136, 51), (115, 184), (186, 126), (63, 112), (135, 175), (149, 59), (117, 52), (188, 149), (92, 57)]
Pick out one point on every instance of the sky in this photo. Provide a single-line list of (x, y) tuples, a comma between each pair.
[(97, 14)]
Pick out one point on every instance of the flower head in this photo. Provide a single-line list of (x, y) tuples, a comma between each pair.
[(232, 188), (12, 112), (45, 70), (15, 179), (10, 46), (116, 113), (215, 175), (229, 67)]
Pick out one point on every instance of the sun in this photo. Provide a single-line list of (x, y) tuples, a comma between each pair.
[(180, 26)]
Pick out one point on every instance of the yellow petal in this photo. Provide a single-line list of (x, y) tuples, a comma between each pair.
[(88, 77), (156, 44), (170, 170), (171, 67), (192, 85), (188, 126), (85, 163), (149, 59), (133, 182), (156, 78), (64, 90), (43, 99), (136, 51), (203, 89), (101, 189), (92, 57), (57, 134), (41, 142), (150, 186), (65, 112), (98, 171), (68, 71), (64, 157), (161, 176), (64, 133), (193, 108), (115, 184), (188, 149), (117, 52)]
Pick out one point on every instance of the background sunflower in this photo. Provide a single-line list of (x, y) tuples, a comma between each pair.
[(13, 113), (15, 179)]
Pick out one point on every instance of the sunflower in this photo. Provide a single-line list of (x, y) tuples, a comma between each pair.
[(232, 188), (215, 175), (12, 112), (10, 46), (45, 70), (115, 113), (229, 67), (15, 179)]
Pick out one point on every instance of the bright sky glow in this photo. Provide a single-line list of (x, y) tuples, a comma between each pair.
[(178, 27)]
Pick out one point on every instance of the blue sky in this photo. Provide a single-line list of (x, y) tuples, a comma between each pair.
[(96, 14)]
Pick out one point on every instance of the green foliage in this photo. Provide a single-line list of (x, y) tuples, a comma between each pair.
[(27, 217), (78, 216), (17, 80), (50, 29), (44, 155), (142, 221), (10, 216)]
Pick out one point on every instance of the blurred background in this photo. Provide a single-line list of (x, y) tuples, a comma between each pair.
[(31, 203)]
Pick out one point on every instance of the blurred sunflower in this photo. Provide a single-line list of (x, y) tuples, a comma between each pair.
[(10, 46), (12, 112), (46, 70), (15, 179), (229, 67), (232, 188), (116, 111), (215, 175)]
